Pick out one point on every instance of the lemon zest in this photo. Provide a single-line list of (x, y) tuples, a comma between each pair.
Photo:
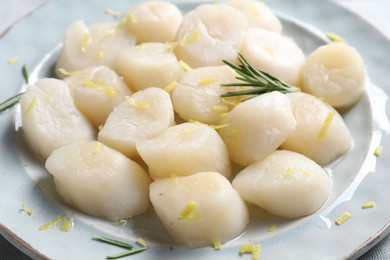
[(66, 223), (51, 223), (342, 218), (255, 12), (111, 12), (137, 104), (188, 212), (90, 83), (334, 37), (141, 242), (68, 73), (220, 109), (171, 86), (170, 46), (132, 18), (174, 177), (185, 66), (27, 210), (31, 106), (325, 125), (99, 55), (368, 204), (122, 21), (272, 228), (217, 243), (13, 60), (109, 91), (378, 151), (253, 249), (207, 80), (190, 39), (98, 148), (85, 42)]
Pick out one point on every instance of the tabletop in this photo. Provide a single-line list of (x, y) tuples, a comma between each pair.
[(375, 12)]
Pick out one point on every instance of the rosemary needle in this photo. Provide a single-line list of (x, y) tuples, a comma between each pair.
[(260, 82), (113, 242), (10, 102), (127, 253)]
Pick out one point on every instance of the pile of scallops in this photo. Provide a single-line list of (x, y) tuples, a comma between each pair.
[(135, 118)]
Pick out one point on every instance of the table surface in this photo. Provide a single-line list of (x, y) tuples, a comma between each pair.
[(376, 12)]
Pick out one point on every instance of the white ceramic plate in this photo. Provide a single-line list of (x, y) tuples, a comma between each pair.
[(358, 177)]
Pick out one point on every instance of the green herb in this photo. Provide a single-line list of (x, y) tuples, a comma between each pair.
[(131, 248), (256, 81), (25, 74), (10, 102)]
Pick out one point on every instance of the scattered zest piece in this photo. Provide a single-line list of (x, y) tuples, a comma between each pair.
[(253, 249), (25, 74), (207, 80), (130, 251), (171, 86), (66, 223), (99, 55), (27, 210), (68, 73), (132, 18), (137, 104), (378, 151), (258, 81), (10, 102), (111, 12), (368, 204), (334, 37), (342, 218), (51, 223), (185, 66), (98, 148), (325, 125), (141, 242), (13, 60), (85, 42), (188, 213), (31, 105), (217, 243), (272, 228), (190, 39)]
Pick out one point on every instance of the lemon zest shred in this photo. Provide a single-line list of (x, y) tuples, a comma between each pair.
[(100, 127), (27, 210), (342, 218), (289, 171), (217, 243), (98, 148), (111, 12), (305, 172), (170, 46), (13, 60), (174, 177), (190, 39), (109, 91), (325, 125), (368, 204), (132, 18), (272, 228), (66, 223), (334, 37), (185, 66), (253, 249), (267, 49), (141, 242), (231, 101), (220, 109), (31, 106), (51, 223), (137, 104), (207, 80), (68, 73), (99, 55), (85, 42), (378, 151), (188, 212), (90, 83), (171, 86)]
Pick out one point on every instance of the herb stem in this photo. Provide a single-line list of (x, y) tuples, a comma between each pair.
[(127, 253), (10, 102), (113, 242)]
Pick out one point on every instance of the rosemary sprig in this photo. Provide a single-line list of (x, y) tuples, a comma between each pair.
[(260, 81), (25, 74), (131, 250), (10, 102)]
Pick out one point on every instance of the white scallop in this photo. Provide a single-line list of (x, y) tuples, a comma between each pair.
[(209, 34), (149, 65), (335, 73), (50, 118), (258, 14), (285, 183), (98, 45), (220, 212), (99, 180), (185, 149), (198, 94), (96, 91), (313, 137), (154, 21), (146, 114), (256, 127), (274, 53)]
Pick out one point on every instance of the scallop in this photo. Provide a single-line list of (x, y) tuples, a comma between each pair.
[(209, 34), (198, 94), (335, 73), (274, 53), (200, 209), (149, 65), (185, 149), (321, 133), (258, 14), (99, 180), (286, 184), (142, 116), (86, 47), (154, 21), (257, 127), (96, 91), (50, 118)]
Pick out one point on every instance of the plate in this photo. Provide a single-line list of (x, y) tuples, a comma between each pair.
[(357, 177)]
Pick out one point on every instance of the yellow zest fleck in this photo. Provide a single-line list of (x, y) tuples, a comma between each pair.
[(99, 55), (325, 125), (98, 148), (122, 21), (109, 91), (132, 18), (190, 129), (289, 171), (111, 12), (334, 37), (272, 228), (68, 73), (223, 115), (51, 223), (66, 223), (100, 127), (342, 218), (190, 39), (378, 151), (31, 105), (305, 172), (217, 243), (174, 177), (255, 11), (170, 46), (141, 48), (85, 42), (231, 101), (27, 210), (253, 249), (137, 104), (185, 66), (368, 204), (141, 242), (171, 86), (188, 212), (13, 60), (215, 127), (207, 80), (220, 109), (90, 83), (267, 49), (211, 126)]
